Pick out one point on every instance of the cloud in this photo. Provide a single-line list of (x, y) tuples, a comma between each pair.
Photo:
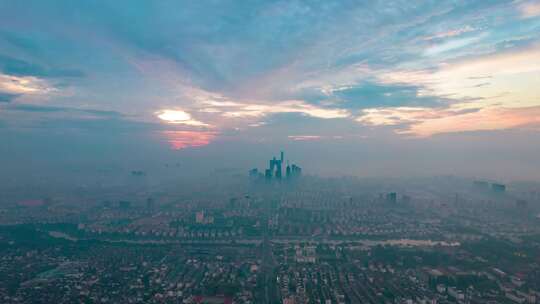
[(400, 115), (20, 41), (463, 80), (371, 94), (179, 117), (515, 61), (529, 9), (24, 85), (7, 97), (55, 109), (327, 61), (96, 125), (304, 137), (37, 108), (290, 106), (215, 103), (320, 137), (485, 119), (428, 121), (17, 67), (483, 84), (452, 45), (450, 33)]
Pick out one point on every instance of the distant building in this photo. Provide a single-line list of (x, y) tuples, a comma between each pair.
[(124, 204), (498, 188), (232, 203), (522, 204), (150, 203), (481, 185), (138, 173), (391, 198), (296, 171), (202, 218), (199, 217), (405, 199), (288, 172)]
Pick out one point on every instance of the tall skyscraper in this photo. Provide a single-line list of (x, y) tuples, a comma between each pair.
[(288, 171), (268, 174), (391, 198)]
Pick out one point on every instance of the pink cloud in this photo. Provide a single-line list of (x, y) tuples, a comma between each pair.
[(426, 121), (450, 33), (184, 139), (486, 119), (529, 9)]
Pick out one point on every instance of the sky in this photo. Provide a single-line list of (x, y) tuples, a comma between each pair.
[(367, 88)]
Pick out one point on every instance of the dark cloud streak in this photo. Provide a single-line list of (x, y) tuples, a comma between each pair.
[(52, 109), (18, 67), (7, 97)]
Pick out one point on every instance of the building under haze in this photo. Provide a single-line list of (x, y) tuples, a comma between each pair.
[(498, 188), (275, 170)]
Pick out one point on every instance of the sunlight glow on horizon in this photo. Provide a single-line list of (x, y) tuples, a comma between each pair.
[(179, 140), (179, 117)]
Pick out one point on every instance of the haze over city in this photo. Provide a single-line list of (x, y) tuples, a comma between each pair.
[(270, 152)]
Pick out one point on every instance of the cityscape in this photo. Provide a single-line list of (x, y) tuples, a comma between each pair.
[(320, 240), (270, 152)]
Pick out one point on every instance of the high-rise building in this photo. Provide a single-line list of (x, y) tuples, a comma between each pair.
[(150, 203), (199, 217), (498, 188), (391, 198), (253, 173), (296, 171), (124, 204), (278, 169), (288, 171), (481, 185)]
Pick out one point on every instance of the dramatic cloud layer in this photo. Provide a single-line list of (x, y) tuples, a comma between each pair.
[(197, 72)]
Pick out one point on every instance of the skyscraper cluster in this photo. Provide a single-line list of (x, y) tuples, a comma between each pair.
[(275, 170)]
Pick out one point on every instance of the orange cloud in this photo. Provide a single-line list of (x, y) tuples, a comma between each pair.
[(24, 85), (486, 119), (426, 121), (481, 78)]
